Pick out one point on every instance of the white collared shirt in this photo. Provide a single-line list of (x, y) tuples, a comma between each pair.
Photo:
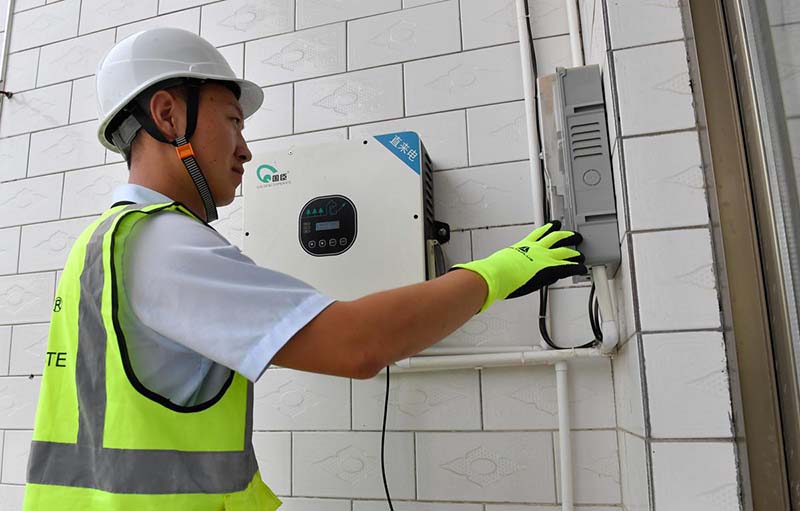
[(193, 306)]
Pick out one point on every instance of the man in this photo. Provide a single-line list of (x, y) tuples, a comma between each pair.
[(163, 325)]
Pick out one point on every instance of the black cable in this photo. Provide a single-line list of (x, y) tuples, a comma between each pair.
[(543, 325), (383, 441), (594, 320)]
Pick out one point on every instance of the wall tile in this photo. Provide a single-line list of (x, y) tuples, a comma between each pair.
[(487, 467), (46, 246), (113, 157), (352, 98), (488, 23), (687, 385), (24, 5), (21, 70), (274, 118), (176, 5), (38, 27), (426, 401), (14, 157), (504, 507), (695, 476), (15, 456), (666, 186), (362, 505), (783, 12), (229, 223), (9, 250), (348, 465), (296, 400), (623, 285), (628, 388), (595, 467), (458, 249), (34, 110), (234, 54), (11, 497), (444, 136), (595, 47), (569, 323), (28, 349), (83, 105), (321, 12), (26, 298), (548, 18), (274, 455), (187, 20), (523, 398), (289, 143), (621, 198), (675, 280), (74, 58), (30, 200), (633, 468), (99, 14), (505, 323), (5, 353), (610, 102), (297, 56), (786, 39), (497, 133), (636, 23), (18, 397), (484, 196), (416, 3), (404, 35), (294, 504), (234, 21), (490, 75), (89, 191), (551, 53), (70, 147), (655, 91)]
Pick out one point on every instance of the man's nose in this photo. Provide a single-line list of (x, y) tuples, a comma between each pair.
[(243, 152)]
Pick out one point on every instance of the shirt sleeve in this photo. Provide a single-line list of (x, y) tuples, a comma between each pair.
[(189, 284)]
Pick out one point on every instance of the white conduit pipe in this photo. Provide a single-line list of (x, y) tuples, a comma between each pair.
[(564, 438), (575, 43), (529, 89), (480, 361), (6, 43)]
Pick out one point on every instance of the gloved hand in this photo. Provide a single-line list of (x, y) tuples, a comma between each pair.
[(539, 260)]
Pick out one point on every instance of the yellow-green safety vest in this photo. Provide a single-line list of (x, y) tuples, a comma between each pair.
[(102, 441)]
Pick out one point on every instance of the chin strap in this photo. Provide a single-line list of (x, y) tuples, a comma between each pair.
[(184, 148)]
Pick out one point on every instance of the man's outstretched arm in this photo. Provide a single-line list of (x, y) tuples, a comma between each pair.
[(357, 338)]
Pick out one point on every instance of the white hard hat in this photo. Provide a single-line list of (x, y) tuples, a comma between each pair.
[(155, 55)]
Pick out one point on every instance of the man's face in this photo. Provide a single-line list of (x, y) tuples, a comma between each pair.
[(218, 143)]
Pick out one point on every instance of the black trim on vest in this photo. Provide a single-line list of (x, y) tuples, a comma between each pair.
[(123, 349)]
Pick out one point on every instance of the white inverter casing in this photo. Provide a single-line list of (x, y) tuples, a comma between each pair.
[(349, 218)]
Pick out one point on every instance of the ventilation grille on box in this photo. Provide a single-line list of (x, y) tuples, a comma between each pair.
[(586, 140)]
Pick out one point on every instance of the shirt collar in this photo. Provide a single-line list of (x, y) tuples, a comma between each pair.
[(138, 194)]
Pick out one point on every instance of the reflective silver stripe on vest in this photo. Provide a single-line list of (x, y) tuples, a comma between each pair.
[(88, 464)]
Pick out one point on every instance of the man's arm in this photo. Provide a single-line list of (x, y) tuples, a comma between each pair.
[(356, 339)]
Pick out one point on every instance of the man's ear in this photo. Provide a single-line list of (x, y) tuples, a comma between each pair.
[(168, 112)]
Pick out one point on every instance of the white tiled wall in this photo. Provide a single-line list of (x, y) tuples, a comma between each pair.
[(647, 425)]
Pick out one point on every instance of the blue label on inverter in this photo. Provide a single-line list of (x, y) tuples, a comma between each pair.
[(404, 145)]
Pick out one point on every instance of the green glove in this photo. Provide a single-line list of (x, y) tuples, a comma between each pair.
[(539, 260)]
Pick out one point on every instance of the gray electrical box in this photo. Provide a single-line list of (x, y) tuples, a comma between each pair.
[(579, 182)]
